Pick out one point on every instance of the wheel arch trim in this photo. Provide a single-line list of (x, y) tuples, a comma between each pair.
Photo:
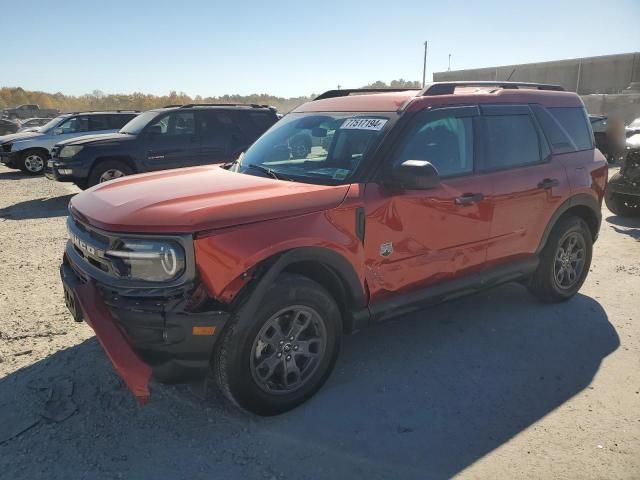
[(578, 200)]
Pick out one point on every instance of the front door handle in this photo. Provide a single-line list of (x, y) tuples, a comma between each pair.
[(469, 198), (548, 183)]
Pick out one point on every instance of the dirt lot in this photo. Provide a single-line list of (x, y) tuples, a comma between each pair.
[(490, 386)]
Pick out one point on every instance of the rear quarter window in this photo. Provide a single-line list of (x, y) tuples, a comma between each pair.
[(575, 122)]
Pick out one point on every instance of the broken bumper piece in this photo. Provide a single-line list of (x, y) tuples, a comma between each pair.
[(84, 302)]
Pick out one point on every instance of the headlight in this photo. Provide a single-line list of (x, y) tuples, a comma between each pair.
[(70, 151), (148, 260)]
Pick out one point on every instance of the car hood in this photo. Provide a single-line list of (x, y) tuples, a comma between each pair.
[(14, 137), (99, 139), (190, 200)]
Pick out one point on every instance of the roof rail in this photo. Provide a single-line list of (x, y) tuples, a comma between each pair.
[(100, 111), (189, 105), (448, 88), (348, 91)]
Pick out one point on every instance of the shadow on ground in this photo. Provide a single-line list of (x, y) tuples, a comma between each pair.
[(38, 208), (422, 397), (625, 225), (14, 174)]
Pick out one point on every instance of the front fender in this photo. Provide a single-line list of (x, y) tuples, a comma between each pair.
[(226, 259)]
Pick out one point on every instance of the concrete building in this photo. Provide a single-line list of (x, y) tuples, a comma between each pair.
[(609, 84)]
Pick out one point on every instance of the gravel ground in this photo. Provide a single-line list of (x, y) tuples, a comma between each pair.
[(490, 386)]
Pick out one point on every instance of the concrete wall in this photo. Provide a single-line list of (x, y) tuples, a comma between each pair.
[(589, 75), (626, 107), (602, 82)]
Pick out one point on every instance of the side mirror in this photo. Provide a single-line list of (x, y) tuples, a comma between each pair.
[(58, 131), (154, 130), (415, 175)]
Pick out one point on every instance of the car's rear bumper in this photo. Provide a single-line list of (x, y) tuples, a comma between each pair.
[(143, 336)]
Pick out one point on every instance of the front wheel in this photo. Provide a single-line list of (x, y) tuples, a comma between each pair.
[(278, 357), (108, 170), (564, 261), (32, 162)]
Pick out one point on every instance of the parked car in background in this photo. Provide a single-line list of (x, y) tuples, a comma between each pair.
[(599, 124), (253, 271), (623, 190), (29, 111), (609, 136), (29, 151), (8, 126), (32, 124), (633, 128), (160, 139)]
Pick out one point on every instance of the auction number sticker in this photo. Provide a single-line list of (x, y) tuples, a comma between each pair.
[(375, 124)]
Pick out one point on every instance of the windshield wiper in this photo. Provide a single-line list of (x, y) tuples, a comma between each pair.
[(268, 171)]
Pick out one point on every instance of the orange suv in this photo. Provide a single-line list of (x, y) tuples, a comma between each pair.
[(254, 270)]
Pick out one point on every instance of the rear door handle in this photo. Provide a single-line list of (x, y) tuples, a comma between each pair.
[(469, 198), (548, 183)]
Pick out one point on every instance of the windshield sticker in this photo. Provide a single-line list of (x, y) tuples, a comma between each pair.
[(375, 124), (340, 174)]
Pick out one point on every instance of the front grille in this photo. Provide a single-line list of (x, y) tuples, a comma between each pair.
[(91, 245)]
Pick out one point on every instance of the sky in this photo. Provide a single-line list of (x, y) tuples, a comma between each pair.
[(289, 48)]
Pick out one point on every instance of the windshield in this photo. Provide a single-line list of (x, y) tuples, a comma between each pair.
[(50, 125), (137, 124), (315, 147)]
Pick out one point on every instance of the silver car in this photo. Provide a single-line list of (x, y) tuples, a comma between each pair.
[(29, 151)]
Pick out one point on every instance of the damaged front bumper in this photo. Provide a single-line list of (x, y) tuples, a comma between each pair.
[(143, 336)]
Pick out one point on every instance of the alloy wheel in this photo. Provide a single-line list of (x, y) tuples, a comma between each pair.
[(110, 174), (34, 163), (569, 260), (288, 349)]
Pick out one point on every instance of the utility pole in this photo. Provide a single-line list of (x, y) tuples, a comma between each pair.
[(449, 69), (424, 65)]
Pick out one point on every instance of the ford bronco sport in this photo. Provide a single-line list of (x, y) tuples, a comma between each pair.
[(252, 271)]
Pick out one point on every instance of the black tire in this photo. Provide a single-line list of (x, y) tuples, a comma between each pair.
[(233, 358), (544, 283), (32, 162), (622, 205), (96, 175)]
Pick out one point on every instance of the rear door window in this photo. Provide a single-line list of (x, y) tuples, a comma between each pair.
[(116, 122), (98, 122), (254, 124), (512, 141), (574, 121)]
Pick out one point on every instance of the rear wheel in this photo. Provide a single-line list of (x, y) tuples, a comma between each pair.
[(564, 261), (32, 162), (621, 204), (278, 357), (108, 170)]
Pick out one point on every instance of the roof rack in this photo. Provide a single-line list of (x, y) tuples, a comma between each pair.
[(348, 91), (189, 105), (448, 88), (101, 111)]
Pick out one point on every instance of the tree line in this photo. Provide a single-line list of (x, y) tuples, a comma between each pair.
[(97, 100)]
